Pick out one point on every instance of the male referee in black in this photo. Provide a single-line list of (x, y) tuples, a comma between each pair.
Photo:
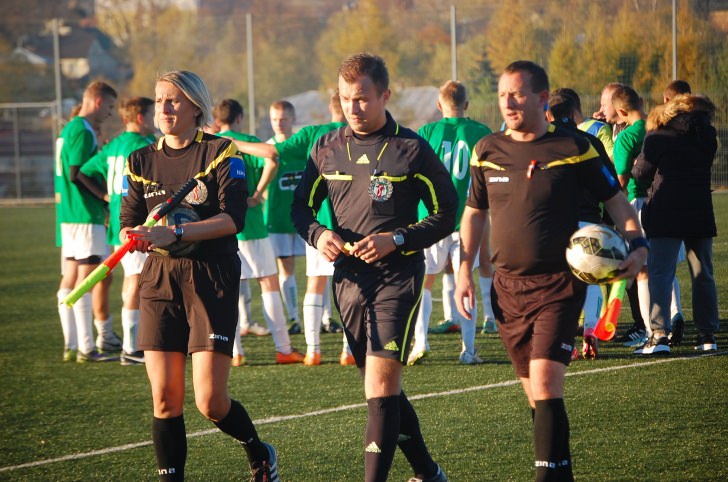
[(530, 179), (375, 172)]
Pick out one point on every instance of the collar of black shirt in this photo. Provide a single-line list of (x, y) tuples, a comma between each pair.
[(389, 130)]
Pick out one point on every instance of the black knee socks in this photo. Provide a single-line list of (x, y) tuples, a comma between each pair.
[(170, 445), (238, 425), (380, 439), (411, 442), (551, 441)]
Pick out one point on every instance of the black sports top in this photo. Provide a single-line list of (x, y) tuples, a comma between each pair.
[(375, 183), (533, 190)]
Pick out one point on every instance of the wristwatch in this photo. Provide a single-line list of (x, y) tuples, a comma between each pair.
[(178, 231), (639, 242), (398, 239)]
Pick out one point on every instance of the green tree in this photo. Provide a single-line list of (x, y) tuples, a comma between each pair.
[(586, 52), (364, 29), (516, 32)]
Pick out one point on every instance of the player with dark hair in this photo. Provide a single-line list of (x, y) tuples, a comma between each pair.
[(254, 245), (227, 113), (137, 114), (375, 172), (563, 107), (675, 88), (602, 130), (530, 180), (189, 301), (80, 230), (316, 301)]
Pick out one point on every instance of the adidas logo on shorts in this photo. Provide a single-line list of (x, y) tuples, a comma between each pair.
[(373, 448), (391, 346)]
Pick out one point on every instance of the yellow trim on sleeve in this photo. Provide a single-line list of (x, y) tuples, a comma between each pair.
[(433, 194), (231, 151), (591, 153), (314, 187), (489, 164)]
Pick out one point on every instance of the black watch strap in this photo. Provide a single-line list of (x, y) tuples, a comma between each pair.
[(638, 243), (178, 231)]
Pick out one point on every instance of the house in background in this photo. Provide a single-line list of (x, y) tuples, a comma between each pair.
[(85, 53)]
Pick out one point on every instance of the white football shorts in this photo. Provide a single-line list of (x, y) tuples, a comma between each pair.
[(437, 255), (81, 241), (133, 262), (287, 244), (258, 259), (316, 264)]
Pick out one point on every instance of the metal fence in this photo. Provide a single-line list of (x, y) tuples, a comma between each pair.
[(27, 136), (280, 50)]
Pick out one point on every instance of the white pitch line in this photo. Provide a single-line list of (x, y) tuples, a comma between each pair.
[(342, 408)]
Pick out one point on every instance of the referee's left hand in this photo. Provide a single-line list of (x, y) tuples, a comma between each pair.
[(373, 247), (631, 266)]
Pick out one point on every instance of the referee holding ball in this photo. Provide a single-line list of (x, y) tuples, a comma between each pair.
[(530, 180)]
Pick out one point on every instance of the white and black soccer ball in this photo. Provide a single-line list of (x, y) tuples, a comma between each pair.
[(595, 252), (178, 215)]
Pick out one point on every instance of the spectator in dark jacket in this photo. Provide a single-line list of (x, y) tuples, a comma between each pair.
[(678, 156)]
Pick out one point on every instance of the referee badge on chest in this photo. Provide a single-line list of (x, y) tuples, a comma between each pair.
[(198, 195), (380, 189)]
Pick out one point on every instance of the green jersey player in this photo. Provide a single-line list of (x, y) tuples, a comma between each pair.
[(286, 244), (80, 225), (137, 114), (453, 139), (254, 246), (628, 145), (317, 303)]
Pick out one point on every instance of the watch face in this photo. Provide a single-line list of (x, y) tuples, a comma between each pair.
[(398, 239)]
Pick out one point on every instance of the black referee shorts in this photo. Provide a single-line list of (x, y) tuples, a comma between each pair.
[(189, 305), (537, 316), (379, 309)]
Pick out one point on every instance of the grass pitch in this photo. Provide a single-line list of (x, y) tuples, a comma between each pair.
[(635, 419)]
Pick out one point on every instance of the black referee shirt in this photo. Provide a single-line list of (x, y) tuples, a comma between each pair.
[(534, 190), (375, 183)]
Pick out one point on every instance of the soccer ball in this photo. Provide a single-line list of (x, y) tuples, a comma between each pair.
[(595, 253), (178, 215)]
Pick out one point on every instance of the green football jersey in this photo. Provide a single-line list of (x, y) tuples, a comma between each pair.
[(453, 139), (109, 163), (297, 147), (626, 149), (74, 147), (255, 227)]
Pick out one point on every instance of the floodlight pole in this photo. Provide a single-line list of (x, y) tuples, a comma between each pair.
[(251, 83), (57, 76), (453, 43), (674, 39)]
